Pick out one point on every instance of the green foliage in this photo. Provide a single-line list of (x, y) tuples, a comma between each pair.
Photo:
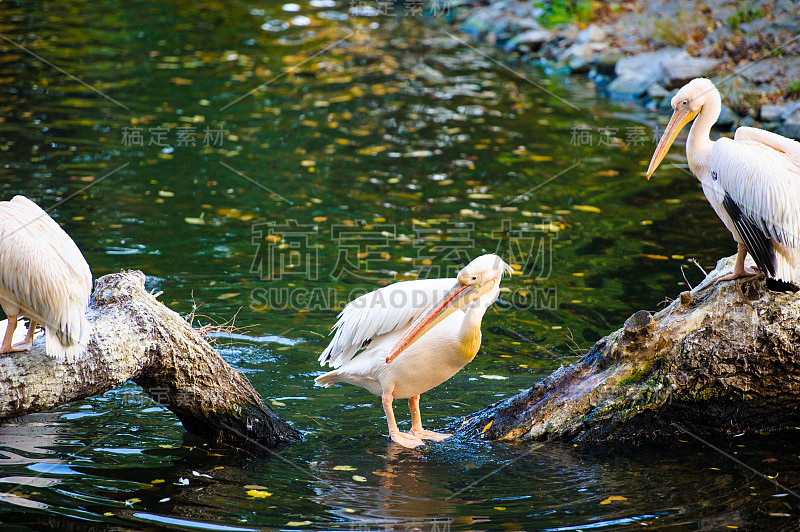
[(565, 12), (794, 90), (744, 14)]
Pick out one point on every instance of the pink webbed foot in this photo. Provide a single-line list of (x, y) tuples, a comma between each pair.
[(424, 434), (745, 272), (406, 439)]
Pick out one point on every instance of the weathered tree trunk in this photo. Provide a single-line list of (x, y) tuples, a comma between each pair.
[(137, 338), (719, 359)]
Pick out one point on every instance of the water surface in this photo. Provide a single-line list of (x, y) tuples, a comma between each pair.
[(268, 162)]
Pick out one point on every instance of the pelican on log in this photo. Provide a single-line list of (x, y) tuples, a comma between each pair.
[(752, 181), (430, 326), (44, 277)]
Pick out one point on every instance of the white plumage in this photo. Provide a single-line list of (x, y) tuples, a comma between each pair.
[(752, 181), (432, 328), (44, 277)]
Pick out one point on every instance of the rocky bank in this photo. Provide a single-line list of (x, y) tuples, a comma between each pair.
[(645, 50)]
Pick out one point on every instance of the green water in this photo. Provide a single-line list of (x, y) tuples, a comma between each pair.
[(370, 149)]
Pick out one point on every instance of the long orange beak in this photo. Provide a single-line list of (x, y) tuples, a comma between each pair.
[(676, 123), (458, 297)]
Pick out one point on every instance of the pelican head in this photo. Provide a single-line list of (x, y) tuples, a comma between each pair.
[(479, 277), (687, 104)]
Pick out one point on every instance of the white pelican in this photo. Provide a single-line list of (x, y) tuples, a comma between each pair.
[(378, 326), (44, 277), (752, 182)]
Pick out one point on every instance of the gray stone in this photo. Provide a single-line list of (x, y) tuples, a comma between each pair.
[(578, 64), (649, 63), (593, 33), (637, 73), (727, 117), (656, 92), (628, 86), (678, 71), (790, 127), (533, 38), (772, 113)]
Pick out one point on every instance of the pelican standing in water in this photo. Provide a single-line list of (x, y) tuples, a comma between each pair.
[(436, 339), (752, 182), (44, 277)]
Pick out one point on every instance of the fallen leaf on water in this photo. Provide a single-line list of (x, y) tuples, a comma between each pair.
[(344, 468), (500, 508), (359, 478), (478, 195), (259, 494), (655, 257), (298, 523), (229, 295), (487, 427), (384, 474), (586, 208), (166, 193), (540, 157), (194, 221), (494, 377), (613, 498), (157, 481)]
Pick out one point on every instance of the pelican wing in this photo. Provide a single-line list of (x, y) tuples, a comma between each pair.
[(379, 312), (43, 269), (757, 180)]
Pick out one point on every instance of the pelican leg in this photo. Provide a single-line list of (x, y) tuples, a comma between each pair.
[(403, 438), (739, 270), (9, 337), (27, 343), (416, 423)]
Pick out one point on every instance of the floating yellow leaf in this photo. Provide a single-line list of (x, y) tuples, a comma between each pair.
[(487, 427), (384, 474), (157, 481), (259, 494), (298, 523), (540, 157), (477, 195), (320, 219), (194, 221), (359, 478), (654, 257), (500, 508), (613, 498), (344, 468), (494, 377), (228, 295), (166, 193), (586, 208), (372, 150)]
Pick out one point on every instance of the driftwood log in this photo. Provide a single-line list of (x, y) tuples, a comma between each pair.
[(719, 359), (137, 338)]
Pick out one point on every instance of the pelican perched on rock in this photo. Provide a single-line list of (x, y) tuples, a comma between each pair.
[(752, 182), (435, 325), (44, 277)]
